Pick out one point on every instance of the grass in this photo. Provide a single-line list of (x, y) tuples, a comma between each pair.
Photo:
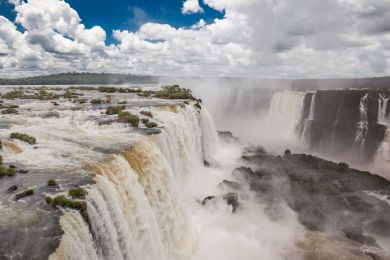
[(63, 201), (51, 183), (127, 117), (112, 110), (24, 137), (14, 94), (77, 193)]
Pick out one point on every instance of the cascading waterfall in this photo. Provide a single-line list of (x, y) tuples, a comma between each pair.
[(382, 157), (285, 111), (382, 109), (362, 126), (134, 210), (308, 121)]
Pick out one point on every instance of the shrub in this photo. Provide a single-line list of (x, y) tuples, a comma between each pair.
[(69, 94), (151, 124), (122, 102), (12, 106), (97, 101), (10, 171), (144, 121), (77, 193), (111, 110), (51, 183), (1, 160), (48, 199), (146, 113), (24, 137), (145, 93), (127, 117), (63, 201), (9, 110), (107, 89)]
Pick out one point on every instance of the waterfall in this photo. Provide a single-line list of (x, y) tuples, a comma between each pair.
[(362, 126), (134, 208), (285, 112), (382, 109), (308, 121)]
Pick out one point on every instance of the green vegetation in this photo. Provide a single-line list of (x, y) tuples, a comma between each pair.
[(84, 88), (198, 106), (63, 201), (127, 117), (146, 113), (9, 110), (70, 94), (7, 171), (12, 106), (14, 94), (122, 102), (51, 183), (1, 160), (174, 92), (24, 137), (144, 121), (97, 101), (48, 199), (146, 93), (111, 110), (24, 194), (77, 193), (151, 124)]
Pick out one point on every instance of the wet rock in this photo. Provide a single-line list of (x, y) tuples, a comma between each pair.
[(24, 194), (232, 199), (12, 188), (342, 167), (228, 137), (206, 163), (55, 103), (51, 114), (22, 171), (35, 147), (230, 185), (207, 199), (12, 166), (287, 153)]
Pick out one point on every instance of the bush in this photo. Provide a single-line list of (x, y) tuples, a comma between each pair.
[(77, 193), (63, 201), (111, 110), (145, 93), (24, 137), (10, 171), (122, 102), (1, 160), (9, 110), (127, 117), (107, 89), (146, 113), (151, 124), (145, 121), (198, 106), (51, 183), (96, 101)]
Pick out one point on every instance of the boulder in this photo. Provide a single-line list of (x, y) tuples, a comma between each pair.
[(205, 200), (12, 188), (21, 171), (232, 199)]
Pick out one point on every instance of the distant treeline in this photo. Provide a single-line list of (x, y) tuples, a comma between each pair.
[(360, 83), (81, 78)]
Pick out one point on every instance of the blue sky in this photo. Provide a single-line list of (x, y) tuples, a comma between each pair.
[(129, 14)]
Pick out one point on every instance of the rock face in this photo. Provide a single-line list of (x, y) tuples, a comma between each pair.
[(343, 121), (329, 198)]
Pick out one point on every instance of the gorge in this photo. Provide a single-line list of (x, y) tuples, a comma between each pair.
[(182, 190)]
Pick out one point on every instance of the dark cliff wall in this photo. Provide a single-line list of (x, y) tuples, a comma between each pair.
[(335, 123)]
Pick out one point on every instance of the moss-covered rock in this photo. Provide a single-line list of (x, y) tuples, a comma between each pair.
[(146, 113), (9, 110), (97, 101), (51, 183), (24, 194), (151, 124), (24, 137), (10, 171)]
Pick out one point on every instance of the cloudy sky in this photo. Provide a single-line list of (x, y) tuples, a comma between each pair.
[(261, 38)]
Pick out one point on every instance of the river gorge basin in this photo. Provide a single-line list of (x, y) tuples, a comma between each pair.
[(94, 179)]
